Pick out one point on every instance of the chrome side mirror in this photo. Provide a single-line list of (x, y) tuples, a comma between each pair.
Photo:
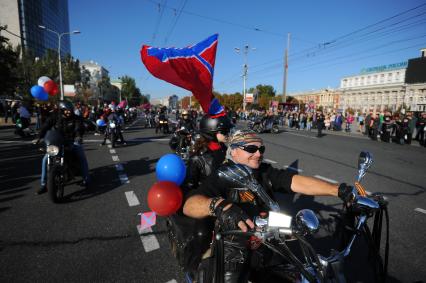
[(307, 222), (364, 162)]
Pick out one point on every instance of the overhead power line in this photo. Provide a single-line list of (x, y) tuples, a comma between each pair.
[(251, 28)]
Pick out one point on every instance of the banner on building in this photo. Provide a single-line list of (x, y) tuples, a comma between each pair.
[(69, 90), (249, 98)]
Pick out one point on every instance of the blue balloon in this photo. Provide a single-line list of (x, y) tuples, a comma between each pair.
[(43, 96), (100, 123), (36, 91), (171, 168)]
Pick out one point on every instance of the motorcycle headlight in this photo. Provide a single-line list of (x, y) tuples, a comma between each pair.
[(112, 125), (52, 150)]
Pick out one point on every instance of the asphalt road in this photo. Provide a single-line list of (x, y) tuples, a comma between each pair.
[(93, 236)]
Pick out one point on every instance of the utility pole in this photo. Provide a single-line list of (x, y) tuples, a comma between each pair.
[(245, 69), (286, 68)]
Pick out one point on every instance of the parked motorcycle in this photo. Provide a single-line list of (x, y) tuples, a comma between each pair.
[(62, 165), (304, 264), (269, 125)]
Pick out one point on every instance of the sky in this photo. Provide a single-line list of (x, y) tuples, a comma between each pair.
[(328, 39)]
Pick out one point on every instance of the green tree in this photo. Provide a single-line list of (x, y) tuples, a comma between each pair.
[(128, 88), (8, 65)]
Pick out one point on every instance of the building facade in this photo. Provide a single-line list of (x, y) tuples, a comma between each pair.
[(174, 101), (23, 17), (97, 72), (383, 88), (328, 99)]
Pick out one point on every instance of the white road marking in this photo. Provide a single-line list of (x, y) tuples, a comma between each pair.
[(15, 142), (149, 242), (132, 199), (326, 179), (172, 281), (108, 141), (119, 167), (299, 135), (112, 151), (157, 139), (420, 210), (293, 168), (109, 146), (269, 161), (115, 158), (124, 179)]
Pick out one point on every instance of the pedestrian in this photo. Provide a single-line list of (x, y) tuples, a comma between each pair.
[(320, 123), (421, 129), (361, 123), (7, 111), (367, 124)]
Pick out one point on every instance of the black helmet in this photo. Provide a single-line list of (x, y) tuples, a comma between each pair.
[(209, 126), (66, 105)]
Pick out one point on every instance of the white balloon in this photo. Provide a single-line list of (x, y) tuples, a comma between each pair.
[(42, 80)]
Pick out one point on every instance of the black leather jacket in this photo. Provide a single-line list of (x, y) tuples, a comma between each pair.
[(70, 128), (202, 165)]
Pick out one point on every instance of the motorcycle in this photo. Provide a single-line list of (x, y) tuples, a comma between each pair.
[(259, 126), (62, 165), (112, 131), (162, 126), (22, 129), (182, 143), (304, 264)]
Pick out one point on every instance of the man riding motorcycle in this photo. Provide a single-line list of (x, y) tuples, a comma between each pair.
[(234, 208), (186, 122), (111, 115), (190, 237), (70, 126)]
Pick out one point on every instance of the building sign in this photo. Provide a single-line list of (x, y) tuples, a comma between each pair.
[(249, 97), (385, 68), (69, 90)]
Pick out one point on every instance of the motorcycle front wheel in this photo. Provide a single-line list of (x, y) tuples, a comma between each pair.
[(257, 128), (55, 185)]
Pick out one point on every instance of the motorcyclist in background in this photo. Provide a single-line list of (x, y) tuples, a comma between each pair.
[(186, 122), (190, 237), (162, 116), (111, 115), (222, 198), (71, 127)]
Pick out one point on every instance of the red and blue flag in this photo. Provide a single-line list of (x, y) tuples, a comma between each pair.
[(191, 68)]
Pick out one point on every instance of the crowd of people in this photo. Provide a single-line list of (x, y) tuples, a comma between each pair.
[(386, 126)]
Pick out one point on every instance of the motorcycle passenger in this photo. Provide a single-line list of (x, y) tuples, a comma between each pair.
[(191, 237), (71, 127), (233, 208), (111, 115)]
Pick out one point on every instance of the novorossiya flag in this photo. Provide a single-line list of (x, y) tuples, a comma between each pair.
[(191, 68)]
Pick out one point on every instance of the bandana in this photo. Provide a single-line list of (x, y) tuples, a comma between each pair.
[(243, 137)]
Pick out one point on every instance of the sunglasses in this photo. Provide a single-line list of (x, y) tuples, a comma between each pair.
[(253, 148)]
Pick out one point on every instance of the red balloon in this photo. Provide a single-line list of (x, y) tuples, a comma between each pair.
[(55, 91), (164, 198), (50, 87)]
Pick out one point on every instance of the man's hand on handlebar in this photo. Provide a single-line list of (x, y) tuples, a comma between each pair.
[(231, 217)]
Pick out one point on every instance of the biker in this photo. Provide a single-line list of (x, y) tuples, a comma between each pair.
[(162, 116), (111, 115), (234, 209), (186, 122), (190, 236), (70, 126)]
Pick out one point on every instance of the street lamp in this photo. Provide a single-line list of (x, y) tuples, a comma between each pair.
[(59, 52), (245, 68)]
